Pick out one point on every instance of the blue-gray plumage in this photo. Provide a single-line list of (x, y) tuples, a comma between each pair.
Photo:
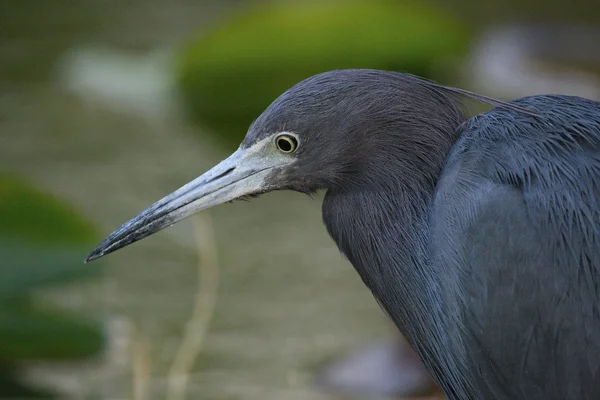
[(479, 237)]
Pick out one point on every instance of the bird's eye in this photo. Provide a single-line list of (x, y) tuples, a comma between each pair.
[(286, 143)]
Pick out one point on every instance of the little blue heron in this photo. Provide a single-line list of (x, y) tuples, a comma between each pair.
[(479, 237)]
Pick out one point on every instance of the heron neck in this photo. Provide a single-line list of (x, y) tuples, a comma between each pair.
[(384, 234), (381, 224), (379, 218)]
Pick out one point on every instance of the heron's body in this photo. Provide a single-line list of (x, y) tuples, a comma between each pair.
[(478, 237), (505, 245)]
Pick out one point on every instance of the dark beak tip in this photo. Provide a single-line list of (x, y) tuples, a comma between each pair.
[(94, 254)]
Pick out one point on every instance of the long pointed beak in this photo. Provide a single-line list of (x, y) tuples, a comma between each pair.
[(243, 173)]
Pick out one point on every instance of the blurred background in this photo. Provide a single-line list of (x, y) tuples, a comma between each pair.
[(107, 105)]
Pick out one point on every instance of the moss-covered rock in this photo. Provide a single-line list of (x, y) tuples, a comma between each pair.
[(230, 74)]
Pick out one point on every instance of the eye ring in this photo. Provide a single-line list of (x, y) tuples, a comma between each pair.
[(286, 143)]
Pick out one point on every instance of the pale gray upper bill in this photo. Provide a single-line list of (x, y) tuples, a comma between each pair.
[(243, 173)]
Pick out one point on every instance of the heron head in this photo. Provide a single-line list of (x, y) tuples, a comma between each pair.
[(317, 135)]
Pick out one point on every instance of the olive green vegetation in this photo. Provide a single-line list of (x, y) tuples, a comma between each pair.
[(489, 13), (42, 243), (229, 74), (34, 216)]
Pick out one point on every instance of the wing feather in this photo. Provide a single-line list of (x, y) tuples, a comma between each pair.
[(517, 217)]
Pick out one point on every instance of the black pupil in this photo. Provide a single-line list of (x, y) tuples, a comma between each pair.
[(285, 144)]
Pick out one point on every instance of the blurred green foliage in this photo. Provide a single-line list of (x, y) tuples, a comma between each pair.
[(229, 75), (33, 216), (42, 243)]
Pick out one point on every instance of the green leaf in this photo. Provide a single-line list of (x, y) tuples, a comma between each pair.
[(25, 267), (43, 241), (27, 333), (12, 388), (231, 73), (30, 215)]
